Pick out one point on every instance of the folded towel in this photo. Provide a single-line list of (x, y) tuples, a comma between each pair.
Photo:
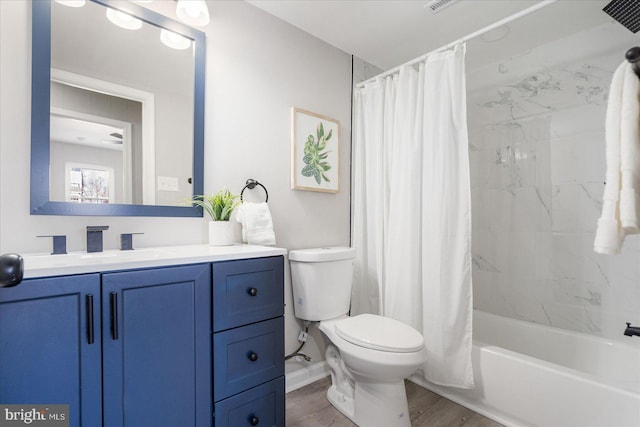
[(257, 225), (619, 210), (629, 152)]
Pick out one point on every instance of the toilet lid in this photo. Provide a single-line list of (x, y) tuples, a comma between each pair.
[(380, 333)]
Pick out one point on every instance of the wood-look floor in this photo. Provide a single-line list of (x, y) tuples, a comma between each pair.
[(309, 407)]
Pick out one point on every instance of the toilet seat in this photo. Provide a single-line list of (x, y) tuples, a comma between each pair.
[(379, 333)]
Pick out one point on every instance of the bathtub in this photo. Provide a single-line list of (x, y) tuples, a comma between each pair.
[(533, 375)]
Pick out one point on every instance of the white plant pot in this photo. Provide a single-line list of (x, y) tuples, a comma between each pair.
[(220, 233)]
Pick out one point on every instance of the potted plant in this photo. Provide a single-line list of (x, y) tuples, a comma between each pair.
[(219, 207)]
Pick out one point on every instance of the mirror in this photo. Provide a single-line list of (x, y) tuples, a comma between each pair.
[(117, 111)]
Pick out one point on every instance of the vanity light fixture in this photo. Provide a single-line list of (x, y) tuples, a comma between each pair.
[(193, 12), (174, 40), (123, 20), (72, 3)]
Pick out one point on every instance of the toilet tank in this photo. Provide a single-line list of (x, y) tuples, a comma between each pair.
[(321, 279)]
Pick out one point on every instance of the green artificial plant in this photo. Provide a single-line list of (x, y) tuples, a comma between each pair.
[(219, 206)]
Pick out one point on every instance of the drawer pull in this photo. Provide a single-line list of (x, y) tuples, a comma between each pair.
[(253, 356), (90, 327), (253, 420), (114, 315), (252, 291)]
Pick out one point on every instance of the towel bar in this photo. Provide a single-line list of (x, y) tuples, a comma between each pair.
[(251, 184)]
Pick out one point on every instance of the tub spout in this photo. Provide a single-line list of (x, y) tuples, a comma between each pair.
[(632, 330)]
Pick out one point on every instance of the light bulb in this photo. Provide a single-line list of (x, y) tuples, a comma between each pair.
[(174, 40), (123, 20), (193, 12)]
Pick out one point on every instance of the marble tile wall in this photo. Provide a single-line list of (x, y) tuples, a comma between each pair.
[(536, 134)]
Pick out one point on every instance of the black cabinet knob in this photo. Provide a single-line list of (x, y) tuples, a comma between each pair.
[(253, 356), (252, 291), (11, 270), (253, 420)]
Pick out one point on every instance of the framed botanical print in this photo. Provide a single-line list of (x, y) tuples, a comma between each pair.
[(315, 152)]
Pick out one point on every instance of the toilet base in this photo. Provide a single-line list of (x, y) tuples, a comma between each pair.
[(375, 404), (341, 402)]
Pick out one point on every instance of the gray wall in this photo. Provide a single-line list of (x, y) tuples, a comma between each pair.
[(258, 67)]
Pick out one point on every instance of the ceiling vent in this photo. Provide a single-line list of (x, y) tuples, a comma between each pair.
[(626, 12), (436, 6)]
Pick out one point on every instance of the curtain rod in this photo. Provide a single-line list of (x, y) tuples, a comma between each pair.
[(468, 37)]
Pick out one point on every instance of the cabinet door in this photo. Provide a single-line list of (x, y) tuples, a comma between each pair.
[(157, 347), (50, 345)]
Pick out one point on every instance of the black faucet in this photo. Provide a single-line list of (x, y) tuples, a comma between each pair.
[(94, 237), (632, 330), (126, 241)]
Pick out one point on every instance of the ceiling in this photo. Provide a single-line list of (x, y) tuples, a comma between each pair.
[(82, 132), (387, 33)]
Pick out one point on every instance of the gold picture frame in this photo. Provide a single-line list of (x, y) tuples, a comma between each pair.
[(315, 152)]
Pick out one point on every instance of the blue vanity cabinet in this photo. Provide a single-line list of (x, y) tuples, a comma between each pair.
[(50, 345), (157, 347), (248, 342)]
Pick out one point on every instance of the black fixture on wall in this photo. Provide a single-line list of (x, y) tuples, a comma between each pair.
[(633, 56), (251, 184), (631, 330)]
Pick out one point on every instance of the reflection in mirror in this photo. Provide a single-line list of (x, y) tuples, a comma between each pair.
[(125, 111), (108, 146), (109, 52), (106, 123)]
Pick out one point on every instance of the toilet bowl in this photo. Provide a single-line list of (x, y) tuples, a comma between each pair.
[(377, 395), (369, 355)]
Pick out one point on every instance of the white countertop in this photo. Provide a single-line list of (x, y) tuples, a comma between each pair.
[(45, 265)]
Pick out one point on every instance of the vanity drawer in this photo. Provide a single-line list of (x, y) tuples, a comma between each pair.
[(247, 356), (247, 291), (260, 406)]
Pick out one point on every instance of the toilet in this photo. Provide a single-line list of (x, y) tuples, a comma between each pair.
[(369, 355)]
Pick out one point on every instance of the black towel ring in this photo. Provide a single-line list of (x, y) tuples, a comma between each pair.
[(251, 184)]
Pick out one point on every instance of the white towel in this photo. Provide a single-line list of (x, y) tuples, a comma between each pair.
[(629, 152), (619, 209), (257, 225)]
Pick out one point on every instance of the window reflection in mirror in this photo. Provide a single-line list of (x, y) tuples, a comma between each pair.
[(89, 183), (109, 80)]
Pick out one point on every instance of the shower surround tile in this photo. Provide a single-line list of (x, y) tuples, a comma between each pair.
[(576, 207), (578, 158), (537, 156)]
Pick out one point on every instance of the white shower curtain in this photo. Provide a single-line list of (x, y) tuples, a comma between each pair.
[(412, 209)]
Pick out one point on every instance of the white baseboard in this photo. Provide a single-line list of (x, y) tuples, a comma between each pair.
[(302, 377)]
